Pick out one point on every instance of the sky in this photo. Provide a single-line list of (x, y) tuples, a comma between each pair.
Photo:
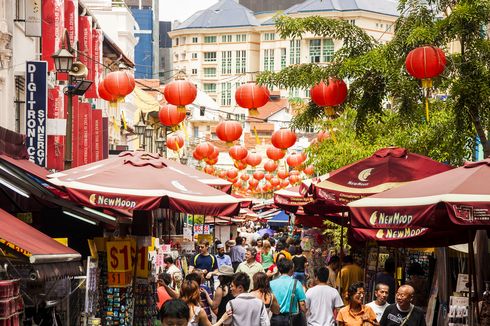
[(171, 10)]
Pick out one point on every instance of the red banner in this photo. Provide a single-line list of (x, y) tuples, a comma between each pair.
[(105, 137), (97, 137), (85, 44), (56, 130), (76, 157), (94, 66), (84, 127), (71, 20), (52, 29)]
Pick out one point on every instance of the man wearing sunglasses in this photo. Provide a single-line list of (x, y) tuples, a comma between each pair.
[(204, 261)]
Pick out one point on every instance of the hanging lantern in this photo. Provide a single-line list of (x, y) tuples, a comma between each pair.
[(275, 182), (284, 183), (204, 150), (175, 142), (330, 95), (211, 161), (245, 177), (253, 183), (294, 179), (268, 177), (283, 139), (170, 116), (229, 131), (196, 155), (240, 165), (283, 174), (180, 92), (237, 184), (253, 159), (425, 63), (238, 152), (222, 174), (309, 170), (295, 160), (258, 175), (214, 154), (119, 83), (270, 166), (251, 96), (274, 153), (209, 169), (104, 94), (232, 174)]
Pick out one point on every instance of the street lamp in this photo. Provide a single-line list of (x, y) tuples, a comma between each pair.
[(77, 85)]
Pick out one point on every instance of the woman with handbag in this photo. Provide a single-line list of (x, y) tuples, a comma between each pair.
[(356, 313)]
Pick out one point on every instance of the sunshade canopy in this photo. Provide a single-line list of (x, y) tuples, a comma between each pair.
[(385, 169), (28, 241), (142, 181)]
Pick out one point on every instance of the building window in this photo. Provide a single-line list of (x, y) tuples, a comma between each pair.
[(177, 40), (309, 129), (327, 50), (209, 87), (194, 55), (209, 39), (241, 62), (209, 72), (269, 60), (226, 38), (269, 36), (241, 37), (294, 92), (196, 132), (226, 94), (226, 62), (209, 56), (194, 40), (283, 58), (194, 71), (242, 116), (182, 56), (352, 22), (315, 50), (20, 10), (294, 52)]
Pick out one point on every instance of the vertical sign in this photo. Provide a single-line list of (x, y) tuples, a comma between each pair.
[(84, 127), (97, 137), (52, 29), (33, 18), (71, 20), (94, 65), (75, 140), (36, 90), (56, 126), (85, 46), (105, 137)]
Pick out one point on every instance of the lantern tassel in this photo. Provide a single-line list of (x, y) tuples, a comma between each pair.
[(257, 140), (427, 108)]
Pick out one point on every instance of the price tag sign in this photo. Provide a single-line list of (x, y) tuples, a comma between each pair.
[(119, 279), (142, 269), (119, 258)]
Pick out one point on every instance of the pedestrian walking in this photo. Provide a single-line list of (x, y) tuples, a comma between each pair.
[(300, 263), (221, 257), (223, 294), (237, 253), (322, 300), (163, 296), (289, 294), (174, 312), (203, 261), (333, 268), (262, 290), (356, 313), (349, 274), (267, 257), (247, 310), (250, 266), (403, 312), (379, 305), (387, 277)]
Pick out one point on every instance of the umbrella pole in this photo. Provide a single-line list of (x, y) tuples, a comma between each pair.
[(471, 257)]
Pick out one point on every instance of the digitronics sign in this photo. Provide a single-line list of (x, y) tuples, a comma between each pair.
[(36, 108)]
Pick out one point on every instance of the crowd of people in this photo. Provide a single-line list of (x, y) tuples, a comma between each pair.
[(261, 282)]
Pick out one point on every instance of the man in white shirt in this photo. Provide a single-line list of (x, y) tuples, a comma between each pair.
[(322, 300), (173, 271), (379, 305)]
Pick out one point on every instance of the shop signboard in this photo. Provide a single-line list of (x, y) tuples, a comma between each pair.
[(119, 263), (142, 269), (33, 18), (36, 90), (201, 229)]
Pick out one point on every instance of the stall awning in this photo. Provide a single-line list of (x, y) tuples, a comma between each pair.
[(31, 243), (280, 219)]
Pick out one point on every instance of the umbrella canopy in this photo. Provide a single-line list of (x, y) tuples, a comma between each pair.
[(263, 231), (142, 181), (290, 199), (459, 197), (281, 218), (385, 169)]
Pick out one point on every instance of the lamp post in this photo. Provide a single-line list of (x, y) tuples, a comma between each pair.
[(139, 129), (77, 85)]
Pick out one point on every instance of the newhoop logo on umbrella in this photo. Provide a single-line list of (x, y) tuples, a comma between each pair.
[(112, 202), (380, 218), (399, 233)]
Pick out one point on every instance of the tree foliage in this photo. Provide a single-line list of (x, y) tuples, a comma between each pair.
[(376, 73)]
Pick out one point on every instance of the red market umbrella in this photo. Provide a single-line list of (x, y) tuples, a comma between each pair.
[(385, 169), (290, 199), (450, 200), (142, 181)]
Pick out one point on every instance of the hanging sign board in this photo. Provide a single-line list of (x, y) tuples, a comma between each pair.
[(119, 263), (33, 18)]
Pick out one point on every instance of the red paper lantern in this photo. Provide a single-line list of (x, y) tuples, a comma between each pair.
[(245, 177), (275, 153), (119, 83), (104, 94), (209, 169), (309, 170), (175, 142), (196, 155), (251, 96), (282, 174), (268, 177), (211, 161), (237, 184), (238, 152), (253, 159), (425, 62), (284, 183), (295, 160), (275, 182), (232, 174), (283, 138), (204, 150), (229, 131), (222, 174), (332, 94), (258, 175), (294, 179), (214, 154), (170, 116), (180, 93), (253, 183), (240, 165), (270, 166)]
